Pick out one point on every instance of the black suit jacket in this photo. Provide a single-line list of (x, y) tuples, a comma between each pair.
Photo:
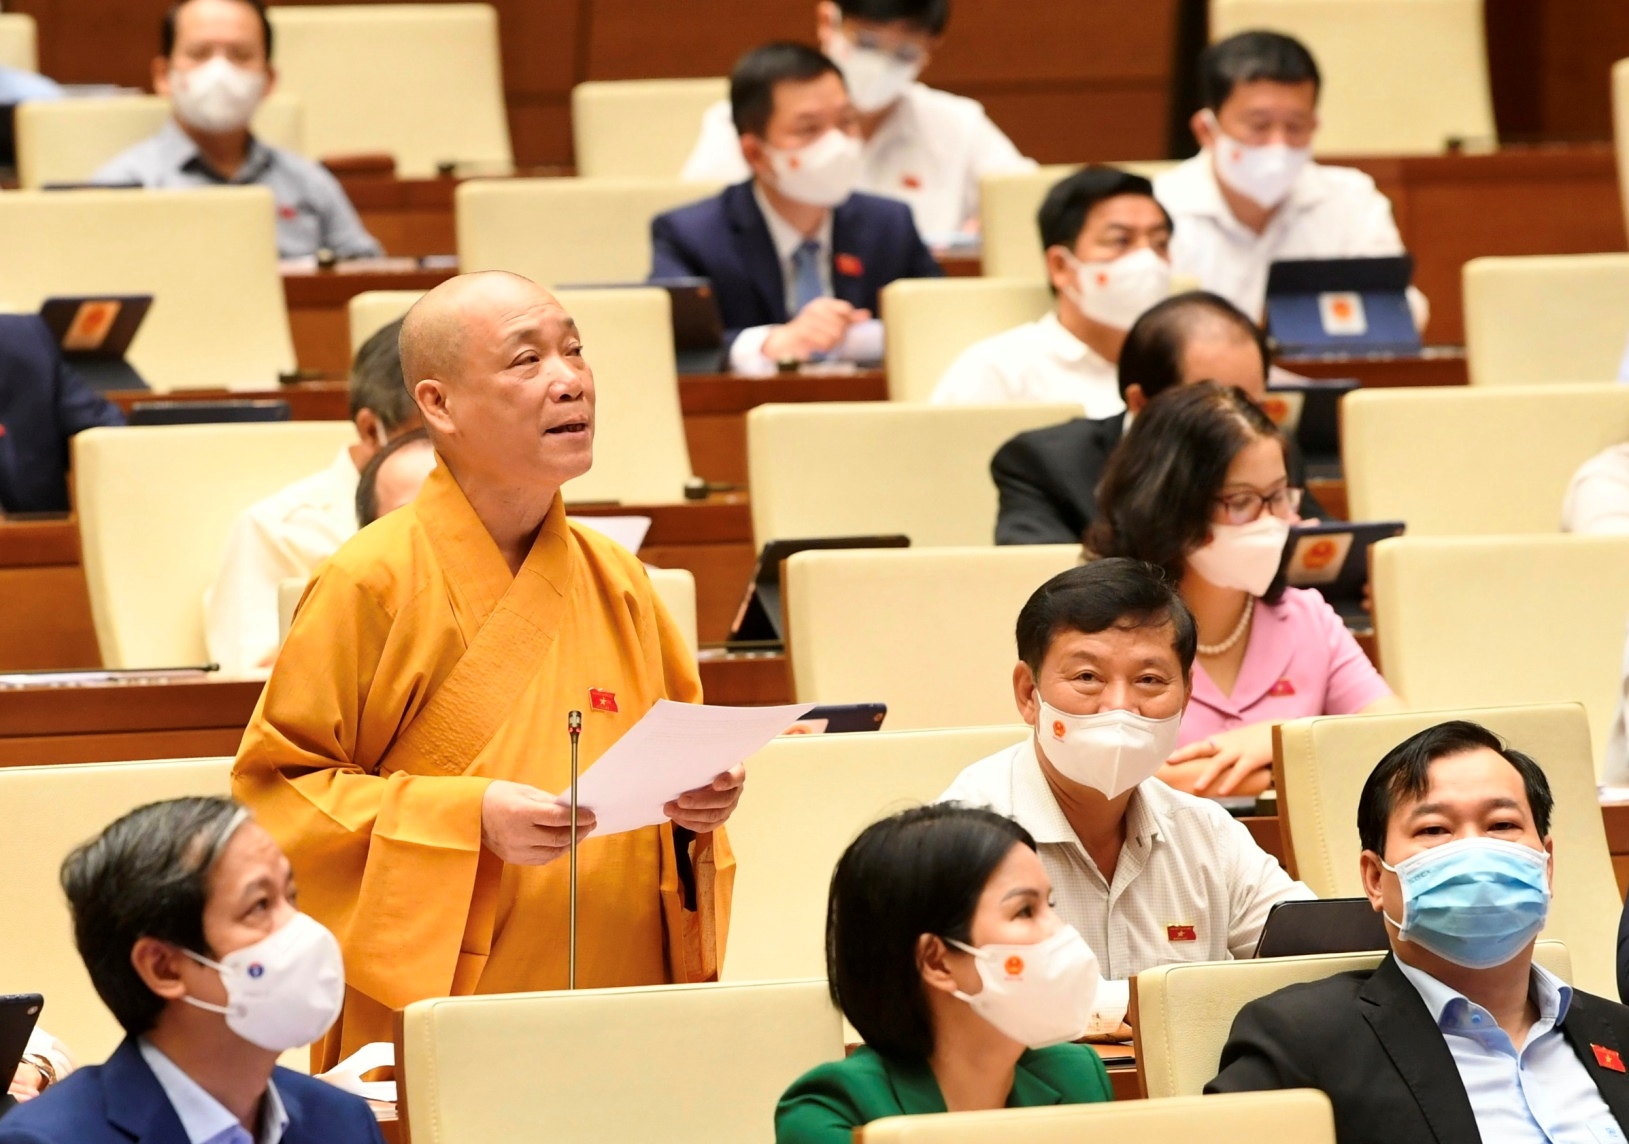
[(725, 239), (1368, 1041), (42, 404)]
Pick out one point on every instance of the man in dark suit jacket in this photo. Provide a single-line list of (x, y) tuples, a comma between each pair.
[(1427, 1049), (796, 258), (42, 404)]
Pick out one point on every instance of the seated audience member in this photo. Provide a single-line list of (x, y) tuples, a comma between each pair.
[(921, 145), (1597, 499), (1253, 196), (944, 951), (183, 912), (1047, 478), (43, 403), (45, 1062), (292, 531), (1146, 873), (1200, 488), (1106, 243), (215, 68), (1458, 1035), (394, 476), (795, 256)]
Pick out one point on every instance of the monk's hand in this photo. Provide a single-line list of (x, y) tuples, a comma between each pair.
[(525, 826), (706, 808)]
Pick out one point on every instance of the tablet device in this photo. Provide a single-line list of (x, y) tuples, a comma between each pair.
[(840, 718), (19, 1013), (94, 334), (758, 622), (1330, 925), (1333, 557), (208, 412), (1341, 306), (1308, 411)]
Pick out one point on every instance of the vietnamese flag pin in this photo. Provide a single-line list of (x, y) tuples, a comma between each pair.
[(1608, 1058), (602, 700)]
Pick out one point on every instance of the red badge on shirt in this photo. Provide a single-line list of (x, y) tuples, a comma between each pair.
[(1608, 1058), (285, 211), (602, 700), (849, 265), (1181, 933), (911, 183), (1281, 688)]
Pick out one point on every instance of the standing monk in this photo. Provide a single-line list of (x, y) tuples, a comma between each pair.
[(414, 725)]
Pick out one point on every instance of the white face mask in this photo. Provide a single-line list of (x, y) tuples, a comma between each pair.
[(875, 79), (216, 96), (1243, 556), (1039, 994), (1261, 174), (1111, 751), (823, 174), (1117, 292), (284, 991)]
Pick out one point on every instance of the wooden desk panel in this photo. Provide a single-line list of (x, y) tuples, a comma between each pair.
[(318, 313), (46, 621), (1436, 365), (118, 722)]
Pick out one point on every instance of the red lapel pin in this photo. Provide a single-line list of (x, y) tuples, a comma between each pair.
[(849, 265), (1282, 687), (1181, 933), (602, 700), (1608, 1058)]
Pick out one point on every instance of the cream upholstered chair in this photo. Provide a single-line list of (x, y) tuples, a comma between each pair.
[(1008, 205), (869, 468), (808, 798), (1477, 460), (928, 631), (1302, 1115), (676, 588), (1324, 762), (1552, 317), (155, 506), (932, 320), (49, 811), (1399, 76), (711, 1061), (372, 310), (1620, 127), (1185, 1010), (563, 232), (422, 82), (289, 592), (19, 42), (209, 258), (641, 128), (68, 141)]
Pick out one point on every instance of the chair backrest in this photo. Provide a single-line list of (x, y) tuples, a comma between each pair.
[(1399, 76), (676, 588), (711, 1061), (422, 82), (931, 321), (49, 811), (566, 231), (1185, 1009), (1303, 1115), (808, 798), (372, 310), (870, 468), (155, 506), (289, 592), (68, 140), (1324, 762), (639, 128), (19, 42), (1008, 205), (1549, 317), (863, 623), (209, 258), (1467, 461), (1620, 128)]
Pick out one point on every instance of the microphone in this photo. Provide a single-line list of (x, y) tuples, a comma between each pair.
[(574, 728)]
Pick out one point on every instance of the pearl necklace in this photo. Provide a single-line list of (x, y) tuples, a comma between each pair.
[(1238, 631)]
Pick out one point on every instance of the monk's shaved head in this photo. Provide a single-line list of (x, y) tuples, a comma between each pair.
[(435, 333)]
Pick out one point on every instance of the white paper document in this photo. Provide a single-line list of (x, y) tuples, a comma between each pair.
[(675, 748), (628, 531)]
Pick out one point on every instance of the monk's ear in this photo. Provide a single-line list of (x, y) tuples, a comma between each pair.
[(430, 396)]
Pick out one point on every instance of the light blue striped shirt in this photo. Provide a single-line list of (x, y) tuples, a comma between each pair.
[(204, 1119)]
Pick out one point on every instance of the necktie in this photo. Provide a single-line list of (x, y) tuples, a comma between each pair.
[(805, 276)]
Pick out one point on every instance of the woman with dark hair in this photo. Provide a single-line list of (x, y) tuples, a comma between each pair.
[(943, 950), (1200, 488)]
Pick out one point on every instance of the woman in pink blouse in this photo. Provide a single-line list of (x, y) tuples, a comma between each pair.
[(1199, 487)]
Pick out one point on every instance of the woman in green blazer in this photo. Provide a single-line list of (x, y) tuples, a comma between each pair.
[(943, 950)]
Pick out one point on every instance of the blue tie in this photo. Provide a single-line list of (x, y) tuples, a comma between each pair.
[(805, 276)]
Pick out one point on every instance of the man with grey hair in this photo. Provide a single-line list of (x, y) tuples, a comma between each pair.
[(289, 533)]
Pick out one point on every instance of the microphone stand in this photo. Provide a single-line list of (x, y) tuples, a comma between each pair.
[(574, 725)]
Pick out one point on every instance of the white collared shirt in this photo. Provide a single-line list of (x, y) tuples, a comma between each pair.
[(1331, 212), (204, 1119), (1543, 1093), (286, 535), (1038, 361), (930, 153), (1190, 885)]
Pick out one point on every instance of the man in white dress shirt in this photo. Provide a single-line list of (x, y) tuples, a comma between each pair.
[(1146, 874), (924, 146), (1253, 196), (292, 531), (1107, 243)]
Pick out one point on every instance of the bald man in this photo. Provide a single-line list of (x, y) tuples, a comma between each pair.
[(409, 747)]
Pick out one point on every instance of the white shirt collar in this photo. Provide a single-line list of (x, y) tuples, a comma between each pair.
[(1036, 809), (783, 234), (1064, 346), (1552, 995), (203, 1118)]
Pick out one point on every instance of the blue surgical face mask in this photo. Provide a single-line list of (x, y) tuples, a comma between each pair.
[(1476, 902)]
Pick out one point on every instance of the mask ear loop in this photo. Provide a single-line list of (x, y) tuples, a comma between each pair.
[(215, 850)]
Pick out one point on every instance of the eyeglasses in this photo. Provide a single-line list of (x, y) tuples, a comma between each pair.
[(905, 53), (1244, 507)]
